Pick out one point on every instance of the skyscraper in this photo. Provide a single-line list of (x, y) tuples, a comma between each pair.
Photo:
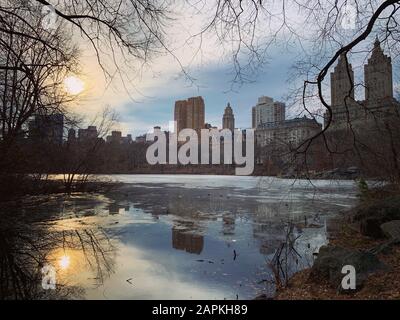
[(378, 75), (47, 128), (267, 112), (342, 83), (189, 114), (379, 102), (228, 120)]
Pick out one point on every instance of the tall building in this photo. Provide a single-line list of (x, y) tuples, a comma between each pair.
[(291, 132), (71, 135), (180, 115), (378, 75), (267, 111), (117, 138), (128, 139), (228, 120), (88, 134), (379, 102), (187, 241), (342, 83), (189, 114), (47, 128), (277, 134)]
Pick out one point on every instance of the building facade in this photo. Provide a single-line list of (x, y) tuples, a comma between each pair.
[(342, 80), (267, 112), (89, 134), (117, 138), (378, 75), (47, 128), (290, 133), (379, 102), (228, 119), (71, 135), (190, 113)]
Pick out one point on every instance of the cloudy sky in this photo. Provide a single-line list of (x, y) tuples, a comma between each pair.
[(154, 103), (147, 99), (214, 84)]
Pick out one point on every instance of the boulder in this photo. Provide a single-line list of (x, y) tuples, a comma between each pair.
[(371, 227), (391, 229), (331, 259), (372, 216)]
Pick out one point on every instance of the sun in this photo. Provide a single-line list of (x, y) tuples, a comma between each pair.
[(64, 262), (73, 85)]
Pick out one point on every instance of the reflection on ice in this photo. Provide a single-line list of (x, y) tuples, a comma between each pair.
[(64, 262), (189, 242)]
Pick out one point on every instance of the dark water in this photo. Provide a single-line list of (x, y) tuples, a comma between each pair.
[(187, 237)]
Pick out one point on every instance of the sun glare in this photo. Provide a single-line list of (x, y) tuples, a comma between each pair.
[(64, 262), (73, 85)]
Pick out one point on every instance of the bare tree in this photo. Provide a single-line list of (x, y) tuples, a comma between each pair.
[(31, 77), (79, 159)]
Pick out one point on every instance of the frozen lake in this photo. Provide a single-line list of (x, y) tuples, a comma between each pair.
[(192, 236)]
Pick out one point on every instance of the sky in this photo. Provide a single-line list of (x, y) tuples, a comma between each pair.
[(150, 101), (214, 84), (148, 98)]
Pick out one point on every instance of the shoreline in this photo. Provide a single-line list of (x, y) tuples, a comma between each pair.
[(344, 233)]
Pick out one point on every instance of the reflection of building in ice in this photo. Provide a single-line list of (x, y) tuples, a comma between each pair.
[(196, 208), (268, 211), (269, 235), (189, 242), (269, 218), (289, 210), (228, 226), (114, 208), (268, 229)]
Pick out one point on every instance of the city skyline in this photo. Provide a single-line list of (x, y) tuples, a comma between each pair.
[(267, 113), (243, 111), (213, 83)]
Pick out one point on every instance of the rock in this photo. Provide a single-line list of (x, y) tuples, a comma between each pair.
[(372, 216), (391, 229), (353, 170), (371, 227), (331, 259)]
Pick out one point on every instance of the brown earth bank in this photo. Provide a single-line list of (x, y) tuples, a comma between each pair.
[(369, 236), (17, 187), (350, 173)]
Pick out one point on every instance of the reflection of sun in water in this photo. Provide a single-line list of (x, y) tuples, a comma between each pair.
[(73, 85), (64, 262)]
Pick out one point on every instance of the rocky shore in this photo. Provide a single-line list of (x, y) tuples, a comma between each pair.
[(366, 237)]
